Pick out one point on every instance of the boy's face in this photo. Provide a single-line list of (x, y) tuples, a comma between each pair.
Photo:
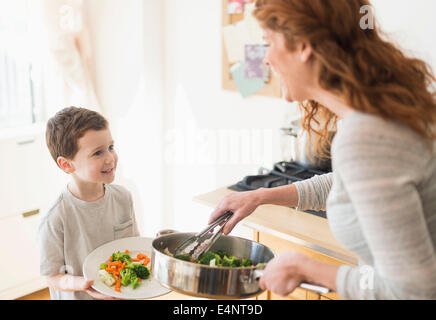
[(96, 160)]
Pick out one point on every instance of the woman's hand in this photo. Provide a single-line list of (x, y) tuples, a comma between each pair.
[(242, 204), (284, 273)]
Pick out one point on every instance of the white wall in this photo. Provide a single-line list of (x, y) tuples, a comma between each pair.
[(158, 75), (226, 137), (129, 81), (158, 78), (411, 25)]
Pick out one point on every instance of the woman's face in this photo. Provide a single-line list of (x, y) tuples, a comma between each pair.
[(291, 66)]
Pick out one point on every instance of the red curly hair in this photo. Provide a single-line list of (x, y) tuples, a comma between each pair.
[(372, 75)]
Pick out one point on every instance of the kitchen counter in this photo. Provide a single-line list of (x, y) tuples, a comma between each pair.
[(288, 224)]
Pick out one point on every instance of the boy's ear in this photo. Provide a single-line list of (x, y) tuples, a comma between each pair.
[(65, 165)]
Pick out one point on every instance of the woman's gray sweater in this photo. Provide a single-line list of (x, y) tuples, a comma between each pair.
[(381, 205)]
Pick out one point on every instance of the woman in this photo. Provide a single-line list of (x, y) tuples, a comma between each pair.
[(381, 196)]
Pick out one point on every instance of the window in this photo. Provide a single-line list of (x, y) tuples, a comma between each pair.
[(20, 94)]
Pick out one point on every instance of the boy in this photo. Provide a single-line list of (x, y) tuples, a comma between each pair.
[(90, 211)]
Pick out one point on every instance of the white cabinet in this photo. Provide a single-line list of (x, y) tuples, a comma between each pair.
[(28, 176), (29, 181), (20, 271)]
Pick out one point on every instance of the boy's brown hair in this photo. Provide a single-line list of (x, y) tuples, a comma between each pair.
[(67, 126)]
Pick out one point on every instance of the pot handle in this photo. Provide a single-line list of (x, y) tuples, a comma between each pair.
[(165, 231), (321, 290)]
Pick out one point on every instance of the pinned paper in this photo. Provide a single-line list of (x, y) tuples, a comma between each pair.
[(235, 36), (235, 6), (246, 87), (254, 32), (254, 65)]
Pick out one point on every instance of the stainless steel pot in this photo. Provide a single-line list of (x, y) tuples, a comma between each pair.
[(302, 149), (206, 281), (212, 282)]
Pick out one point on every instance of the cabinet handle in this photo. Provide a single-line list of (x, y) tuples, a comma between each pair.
[(30, 213), (25, 141)]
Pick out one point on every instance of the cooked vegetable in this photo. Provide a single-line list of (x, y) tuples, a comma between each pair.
[(126, 276), (141, 271), (135, 282), (221, 253), (185, 257), (231, 261), (121, 256), (218, 258), (106, 277), (246, 262), (122, 271), (205, 258)]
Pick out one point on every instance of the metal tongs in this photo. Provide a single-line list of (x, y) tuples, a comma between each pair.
[(204, 240)]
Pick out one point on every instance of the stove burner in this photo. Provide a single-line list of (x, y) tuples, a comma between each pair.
[(283, 173)]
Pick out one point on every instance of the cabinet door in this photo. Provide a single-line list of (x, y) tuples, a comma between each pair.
[(279, 245), (18, 236), (29, 176)]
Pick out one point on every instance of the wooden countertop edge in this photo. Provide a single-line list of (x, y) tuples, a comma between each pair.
[(289, 224)]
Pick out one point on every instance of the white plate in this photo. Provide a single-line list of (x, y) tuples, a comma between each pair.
[(148, 288)]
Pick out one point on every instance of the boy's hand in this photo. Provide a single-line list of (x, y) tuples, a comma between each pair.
[(65, 282), (97, 295), (86, 286)]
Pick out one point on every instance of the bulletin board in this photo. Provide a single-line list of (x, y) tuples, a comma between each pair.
[(272, 88)]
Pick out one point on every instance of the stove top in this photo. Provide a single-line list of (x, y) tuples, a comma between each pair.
[(283, 173)]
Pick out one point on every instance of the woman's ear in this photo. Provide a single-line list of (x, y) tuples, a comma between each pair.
[(65, 165), (305, 50)]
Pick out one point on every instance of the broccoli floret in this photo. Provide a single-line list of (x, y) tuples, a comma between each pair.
[(231, 262), (121, 256), (141, 271), (135, 282), (130, 265), (218, 259), (236, 262), (246, 262), (126, 276), (227, 262), (206, 258), (221, 253), (103, 266), (185, 257)]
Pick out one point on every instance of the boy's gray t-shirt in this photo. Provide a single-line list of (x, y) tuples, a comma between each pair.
[(72, 228)]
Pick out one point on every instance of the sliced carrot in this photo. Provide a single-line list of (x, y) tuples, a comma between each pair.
[(136, 260), (146, 261), (118, 285), (127, 251), (111, 258), (141, 256)]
